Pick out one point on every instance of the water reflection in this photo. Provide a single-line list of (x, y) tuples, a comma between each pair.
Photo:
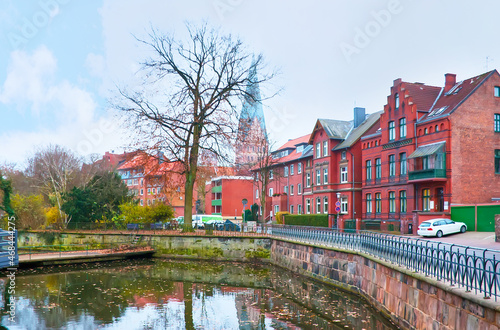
[(161, 294)]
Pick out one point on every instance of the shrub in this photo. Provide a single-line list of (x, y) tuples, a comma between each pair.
[(280, 217), (315, 220)]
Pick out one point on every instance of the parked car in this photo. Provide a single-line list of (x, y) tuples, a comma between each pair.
[(439, 227)]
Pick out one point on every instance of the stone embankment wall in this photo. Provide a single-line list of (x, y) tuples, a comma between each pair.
[(411, 300), (199, 247)]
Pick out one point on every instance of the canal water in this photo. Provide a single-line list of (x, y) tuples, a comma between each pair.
[(161, 294)]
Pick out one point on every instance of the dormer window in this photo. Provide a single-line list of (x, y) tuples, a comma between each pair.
[(397, 101)]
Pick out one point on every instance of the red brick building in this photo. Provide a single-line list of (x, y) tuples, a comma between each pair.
[(335, 170), (310, 171), (226, 193), (436, 147), (152, 179)]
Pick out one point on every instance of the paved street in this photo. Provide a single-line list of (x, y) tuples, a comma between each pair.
[(472, 239)]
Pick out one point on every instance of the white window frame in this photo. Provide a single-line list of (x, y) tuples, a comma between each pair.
[(308, 179), (318, 150), (291, 209), (299, 208), (325, 148), (276, 209), (291, 169), (286, 171), (308, 206), (344, 174), (318, 205), (318, 177), (291, 190), (271, 192), (285, 189), (343, 205), (299, 189), (325, 205), (325, 175), (299, 168), (256, 193)]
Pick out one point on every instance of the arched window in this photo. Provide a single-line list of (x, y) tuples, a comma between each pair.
[(437, 128)]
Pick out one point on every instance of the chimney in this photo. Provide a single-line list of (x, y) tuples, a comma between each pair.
[(359, 116), (450, 81)]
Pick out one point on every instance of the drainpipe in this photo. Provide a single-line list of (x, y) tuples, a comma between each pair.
[(353, 187)]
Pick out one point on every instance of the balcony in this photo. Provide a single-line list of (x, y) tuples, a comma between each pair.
[(427, 174), (217, 202), (428, 163), (217, 189)]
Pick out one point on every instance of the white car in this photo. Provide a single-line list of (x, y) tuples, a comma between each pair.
[(440, 227)]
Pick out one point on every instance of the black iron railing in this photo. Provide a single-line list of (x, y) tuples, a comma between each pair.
[(475, 269)]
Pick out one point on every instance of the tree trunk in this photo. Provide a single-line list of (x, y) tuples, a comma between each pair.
[(188, 305), (191, 178)]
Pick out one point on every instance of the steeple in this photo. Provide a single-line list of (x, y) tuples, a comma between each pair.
[(252, 133)]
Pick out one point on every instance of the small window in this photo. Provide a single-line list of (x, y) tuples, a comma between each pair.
[(368, 203), (343, 205), (497, 161), (392, 131), (299, 168), (392, 202), (344, 154), (343, 174), (425, 131), (437, 128), (325, 148), (318, 205), (286, 171), (396, 101), (497, 122), (291, 189), (325, 176), (271, 192), (497, 91), (291, 169), (299, 188), (402, 128)]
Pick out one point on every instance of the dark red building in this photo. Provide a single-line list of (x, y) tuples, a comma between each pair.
[(436, 147)]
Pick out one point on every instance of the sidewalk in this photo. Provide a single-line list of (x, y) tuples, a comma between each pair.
[(484, 240)]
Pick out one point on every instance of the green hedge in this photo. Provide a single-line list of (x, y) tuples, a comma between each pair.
[(315, 220)]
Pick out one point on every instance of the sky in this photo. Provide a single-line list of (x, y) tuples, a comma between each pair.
[(61, 60)]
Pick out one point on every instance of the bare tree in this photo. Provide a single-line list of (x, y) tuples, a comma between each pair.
[(265, 171), (55, 171), (189, 98)]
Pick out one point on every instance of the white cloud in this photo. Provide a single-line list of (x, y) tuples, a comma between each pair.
[(28, 76), (32, 84)]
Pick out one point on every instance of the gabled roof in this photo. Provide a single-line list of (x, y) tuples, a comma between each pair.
[(334, 129), (447, 103), (357, 132), (292, 143), (423, 95)]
